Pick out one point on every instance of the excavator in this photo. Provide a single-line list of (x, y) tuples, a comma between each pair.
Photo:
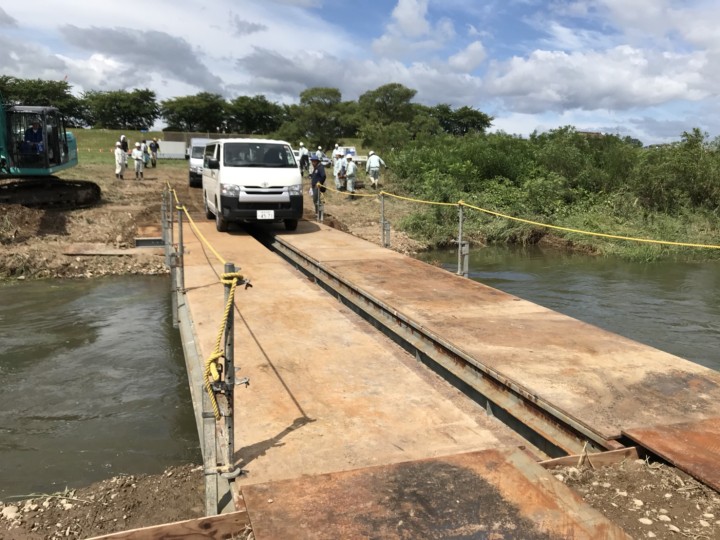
[(34, 145)]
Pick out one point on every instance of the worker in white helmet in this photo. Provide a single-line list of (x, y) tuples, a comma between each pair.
[(372, 167), (339, 165), (304, 158), (350, 175)]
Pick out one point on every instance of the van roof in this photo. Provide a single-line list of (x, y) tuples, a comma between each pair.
[(250, 140)]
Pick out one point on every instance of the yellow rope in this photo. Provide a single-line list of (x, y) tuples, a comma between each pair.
[(354, 194), (211, 372), (417, 200), (589, 233), (547, 225)]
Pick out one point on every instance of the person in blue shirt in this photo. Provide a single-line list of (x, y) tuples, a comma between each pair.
[(317, 182), (34, 138)]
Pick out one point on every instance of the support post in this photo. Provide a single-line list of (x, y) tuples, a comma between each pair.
[(180, 254), (210, 464), (163, 222), (169, 214), (174, 288), (229, 352), (384, 225), (460, 239), (465, 255)]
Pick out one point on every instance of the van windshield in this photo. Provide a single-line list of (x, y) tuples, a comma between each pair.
[(251, 154), (197, 152)]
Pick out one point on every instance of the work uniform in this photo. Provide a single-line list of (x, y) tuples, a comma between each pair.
[(351, 176), (372, 167), (139, 156), (317, 182), (120, 157), (339, 171)]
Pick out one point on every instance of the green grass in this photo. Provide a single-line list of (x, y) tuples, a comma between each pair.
[(96, 146)]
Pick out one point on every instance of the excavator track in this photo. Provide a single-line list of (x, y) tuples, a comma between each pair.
[(50, 192)]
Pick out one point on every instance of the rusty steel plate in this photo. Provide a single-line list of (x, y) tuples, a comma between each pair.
[(693, 447), (599, 382), (492, 493)]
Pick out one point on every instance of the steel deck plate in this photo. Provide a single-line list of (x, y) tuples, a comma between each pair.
[(327, 392), (693, 447), (488, 494), (603, 381)]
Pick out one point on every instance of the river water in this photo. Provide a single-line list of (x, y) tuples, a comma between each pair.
[(92, 383), (672, 306)]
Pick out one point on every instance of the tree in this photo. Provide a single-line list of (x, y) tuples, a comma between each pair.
[(44, 93), (317, 119), (461, 121), (120, 109), (201, 112), (254, 115), (387, 104)]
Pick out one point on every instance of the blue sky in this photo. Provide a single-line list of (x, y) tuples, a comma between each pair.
[(644, 68)]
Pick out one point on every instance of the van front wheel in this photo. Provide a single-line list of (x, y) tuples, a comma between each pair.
[(221, 224), (291, 224)]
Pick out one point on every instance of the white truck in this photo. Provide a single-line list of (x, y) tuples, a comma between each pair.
[(196, 151), (359, 160)]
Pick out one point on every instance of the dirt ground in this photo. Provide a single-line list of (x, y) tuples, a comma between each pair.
[(648, 500)]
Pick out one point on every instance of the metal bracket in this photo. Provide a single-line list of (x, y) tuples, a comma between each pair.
[(244, 381)]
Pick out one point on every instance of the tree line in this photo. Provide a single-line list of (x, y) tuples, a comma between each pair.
[(384, 117)]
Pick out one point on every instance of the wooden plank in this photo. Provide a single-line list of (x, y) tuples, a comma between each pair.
[(94, 250), (222, 526), (595, 460)]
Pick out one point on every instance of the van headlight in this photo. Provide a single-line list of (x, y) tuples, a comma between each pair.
[(295, 190), (229, 190)]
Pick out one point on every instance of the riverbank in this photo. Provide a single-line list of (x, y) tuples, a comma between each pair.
[(35, 244)]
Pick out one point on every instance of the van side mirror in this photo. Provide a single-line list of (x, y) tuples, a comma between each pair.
[(213, 164)]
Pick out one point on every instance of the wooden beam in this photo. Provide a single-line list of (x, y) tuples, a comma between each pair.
[(595, 460), (221, 526)]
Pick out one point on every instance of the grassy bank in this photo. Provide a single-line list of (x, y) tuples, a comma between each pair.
[(606, 185)]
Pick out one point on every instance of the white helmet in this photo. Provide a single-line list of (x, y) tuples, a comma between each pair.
[(301, 144), (319, 147), (370, 153), (349, 156)]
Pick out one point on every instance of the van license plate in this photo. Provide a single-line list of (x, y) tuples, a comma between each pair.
[(266, 214)]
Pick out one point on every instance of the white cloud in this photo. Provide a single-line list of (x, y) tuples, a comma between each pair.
[(469, 58), (410, 18), (620, 78), (411, 34)]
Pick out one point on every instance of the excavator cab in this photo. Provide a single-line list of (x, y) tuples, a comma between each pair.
[(34, 145), (34, 142)]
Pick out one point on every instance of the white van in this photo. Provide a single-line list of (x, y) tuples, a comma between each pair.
[(195, 156), (251, 180)]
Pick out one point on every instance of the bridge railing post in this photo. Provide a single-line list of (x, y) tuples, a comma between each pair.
[(229, 371), (163, 223), (384, 224), (181, 253), (460, 239)]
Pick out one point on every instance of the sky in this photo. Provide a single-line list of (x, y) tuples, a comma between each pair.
[(649, 69)]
